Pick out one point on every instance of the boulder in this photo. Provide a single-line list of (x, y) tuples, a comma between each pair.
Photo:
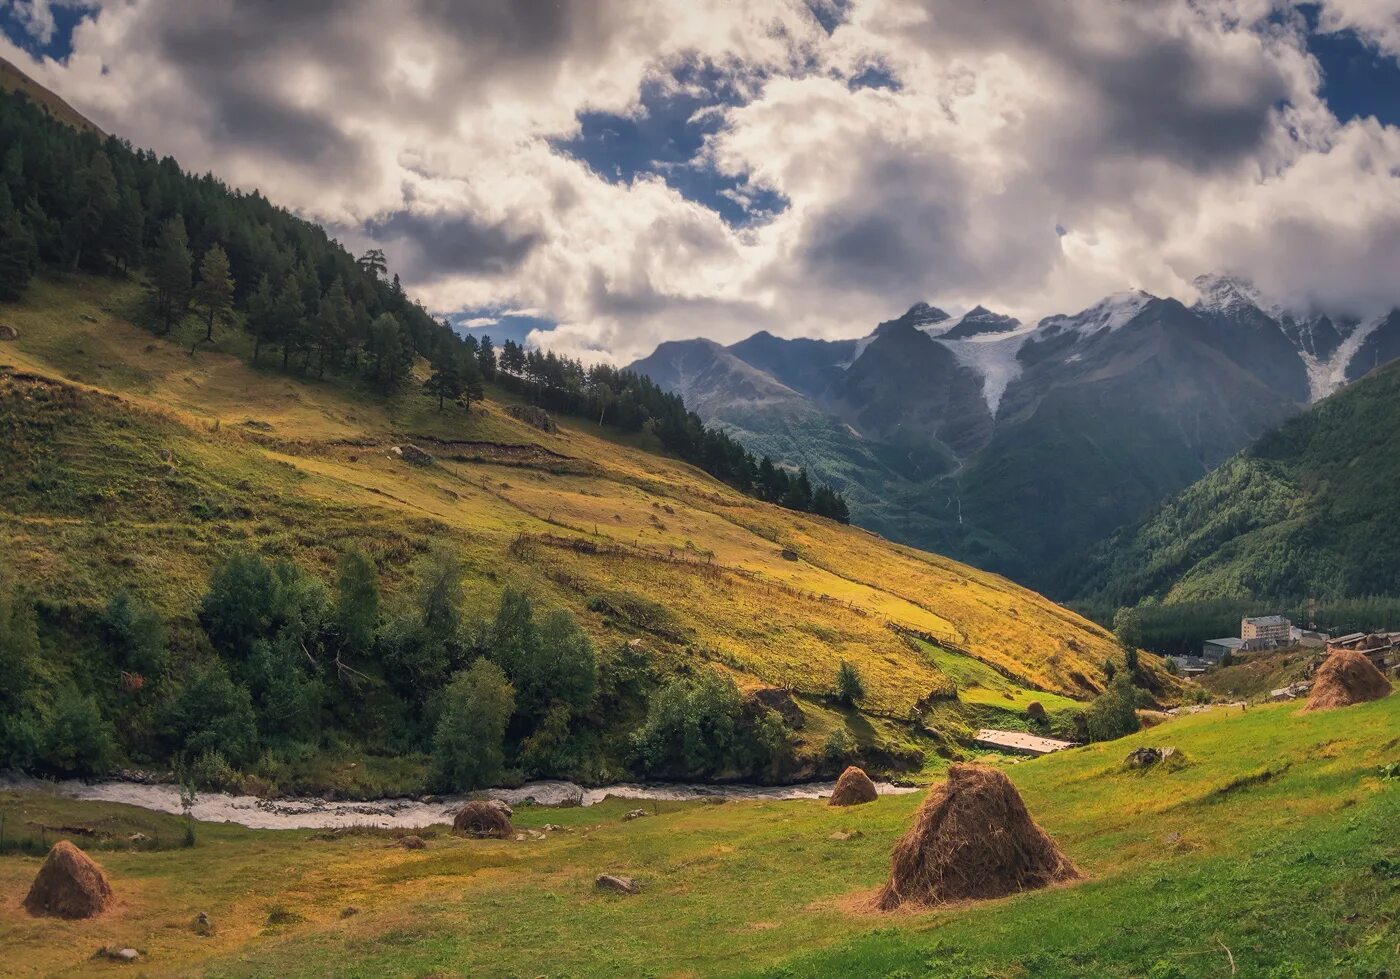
[(412, 842), (8, 332), (613, 882), (634, 814), (118, 954), (1147, 757), (413, 454)]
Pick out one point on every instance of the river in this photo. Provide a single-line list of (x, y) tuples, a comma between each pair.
[(256, 813)]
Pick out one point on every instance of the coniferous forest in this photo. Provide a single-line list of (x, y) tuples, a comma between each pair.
[(215, 258)]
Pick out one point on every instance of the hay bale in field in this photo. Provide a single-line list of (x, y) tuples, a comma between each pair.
[(68, 885), (972, 839), (853, 788), (1035, 711), (412, 842), (482, 819), (1346, 677)]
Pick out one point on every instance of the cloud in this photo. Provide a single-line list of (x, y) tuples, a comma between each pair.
[(1029, 156)]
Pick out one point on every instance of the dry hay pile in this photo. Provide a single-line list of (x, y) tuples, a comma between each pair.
[(1345, 678), (972, 839), (853, 788), (482, 819), (68, 885)]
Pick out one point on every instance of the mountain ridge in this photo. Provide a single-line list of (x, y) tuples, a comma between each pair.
[(994, 420)]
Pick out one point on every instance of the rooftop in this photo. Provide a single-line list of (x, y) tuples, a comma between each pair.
[(1268, 620)]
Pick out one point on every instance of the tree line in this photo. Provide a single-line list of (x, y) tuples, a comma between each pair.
[(286, 667), (216, 259)]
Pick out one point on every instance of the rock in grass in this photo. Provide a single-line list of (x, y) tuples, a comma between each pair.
[(118, 954), (1147, 757), (412, 842), (634, 814), (613, 882)]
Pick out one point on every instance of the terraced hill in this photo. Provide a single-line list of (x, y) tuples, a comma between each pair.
[(124, 452)]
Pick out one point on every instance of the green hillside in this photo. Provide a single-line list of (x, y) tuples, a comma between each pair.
[(1310, 510)]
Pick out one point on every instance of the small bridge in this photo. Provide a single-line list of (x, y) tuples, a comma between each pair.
[(1020, 742)]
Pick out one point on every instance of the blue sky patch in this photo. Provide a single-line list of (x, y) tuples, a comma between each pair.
[(1358, 79), (506, 325), (60, 45), (665, 140)]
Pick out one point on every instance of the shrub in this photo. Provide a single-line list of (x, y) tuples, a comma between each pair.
[(211, 711), (699, 727), (77, 740), (839, 747), (1113, 714)]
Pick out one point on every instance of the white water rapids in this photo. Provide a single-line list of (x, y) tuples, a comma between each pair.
[(256, 813)]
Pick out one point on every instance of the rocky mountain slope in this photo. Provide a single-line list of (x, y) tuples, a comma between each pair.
[(1013, 445)]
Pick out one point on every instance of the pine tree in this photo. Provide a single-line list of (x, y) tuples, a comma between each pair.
[(261, 319), (170, 275), (128, 229), (445, 382), (333, 324), (95, 189), (19, 256), (473, 387), (287, 316), (486, 359), (214, 293)]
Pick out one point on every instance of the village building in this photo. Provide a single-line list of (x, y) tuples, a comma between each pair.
[(1215, 650), (1267, 630)]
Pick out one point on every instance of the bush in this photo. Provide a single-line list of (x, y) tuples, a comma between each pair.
[(839, 748), (209, 711), (699, 727), (1113, 714), (471, 727), (137, 633), (77, 740)]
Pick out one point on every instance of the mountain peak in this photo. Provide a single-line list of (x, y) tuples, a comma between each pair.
[(1226, 293), (922, 314), (980, 321), (1109, 313)]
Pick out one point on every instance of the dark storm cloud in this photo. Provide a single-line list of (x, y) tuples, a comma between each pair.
[(433, 246)]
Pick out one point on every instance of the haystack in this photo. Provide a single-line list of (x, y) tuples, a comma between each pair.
[(68, 885), (482, 819), (972, 839), (853, 788), (1345, 678)]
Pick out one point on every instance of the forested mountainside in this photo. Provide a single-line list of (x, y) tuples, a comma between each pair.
[(268, 522), (1015, 446), (1308, 511)]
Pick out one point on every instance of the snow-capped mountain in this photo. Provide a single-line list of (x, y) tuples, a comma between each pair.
[(961, 433)]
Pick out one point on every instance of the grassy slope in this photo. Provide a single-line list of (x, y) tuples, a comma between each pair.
[(1275, 839), (1307, 510), (195, 456), (14, 80)]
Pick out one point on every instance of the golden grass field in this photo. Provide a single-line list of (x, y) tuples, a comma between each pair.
[(301, 469)]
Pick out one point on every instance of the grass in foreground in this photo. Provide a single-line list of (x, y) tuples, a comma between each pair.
[(1275, 840)]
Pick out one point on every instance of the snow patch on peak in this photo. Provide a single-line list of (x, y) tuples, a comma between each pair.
[(1226, 293), (1327, 376), (1110, 313)]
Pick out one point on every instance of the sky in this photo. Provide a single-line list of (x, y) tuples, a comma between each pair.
[(604, 175)]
